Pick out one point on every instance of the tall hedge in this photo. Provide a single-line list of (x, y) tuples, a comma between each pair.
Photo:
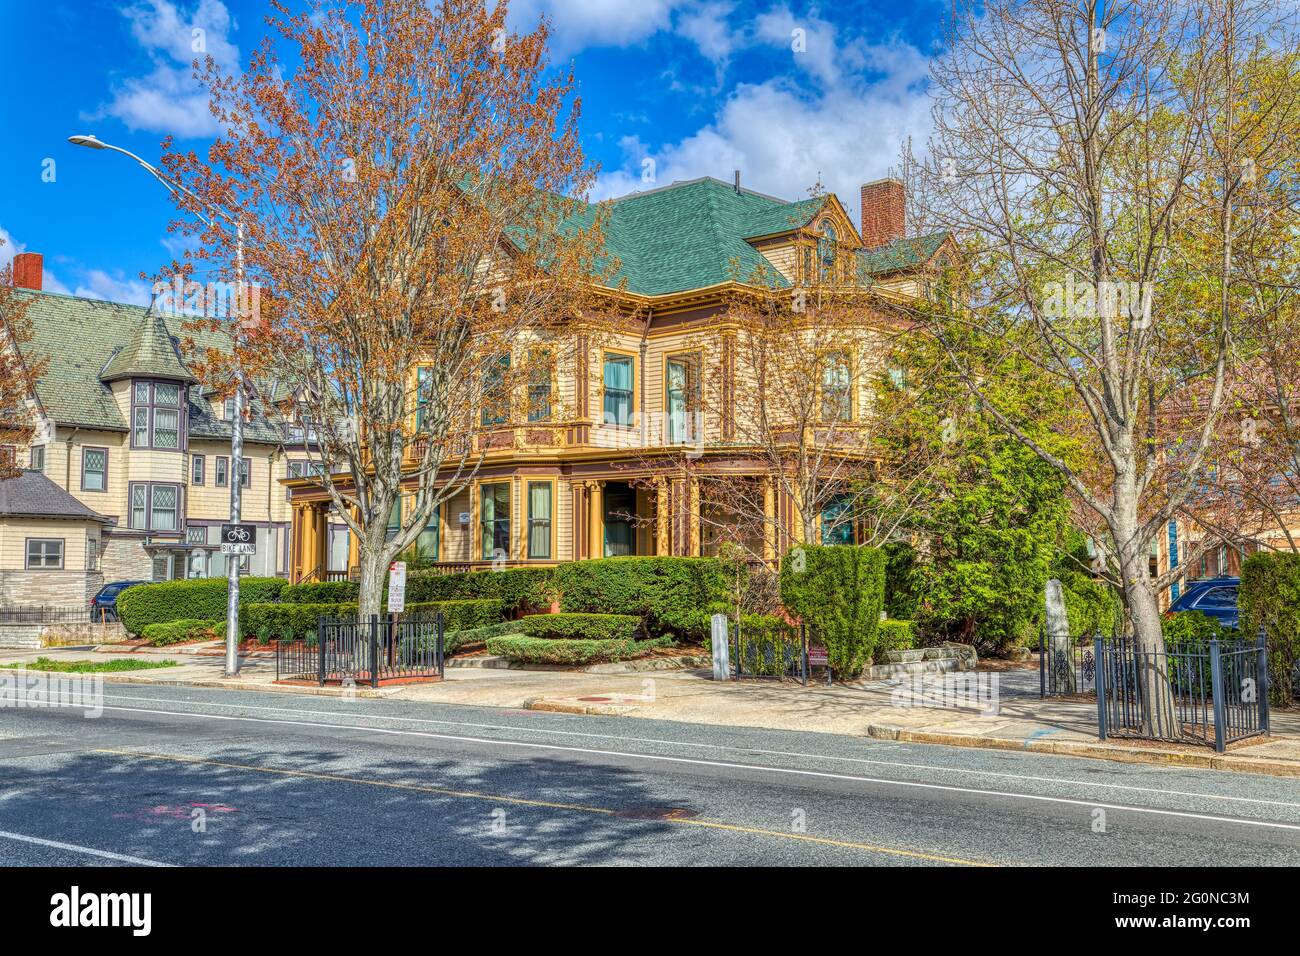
[(1270, 599), (518, 588), (838, 592), (675, 596), (201, 599)]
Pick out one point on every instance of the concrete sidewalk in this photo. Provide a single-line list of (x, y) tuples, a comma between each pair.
[(882, 709)]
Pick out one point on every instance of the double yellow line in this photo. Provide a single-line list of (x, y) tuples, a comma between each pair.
[(548, 804)]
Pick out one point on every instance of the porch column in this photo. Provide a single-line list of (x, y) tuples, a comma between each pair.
[(662, 508), (693, 517), (322, 521), (769, 520), (297, 540), (595, 520)]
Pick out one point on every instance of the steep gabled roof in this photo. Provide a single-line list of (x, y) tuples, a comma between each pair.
[(29, 494)]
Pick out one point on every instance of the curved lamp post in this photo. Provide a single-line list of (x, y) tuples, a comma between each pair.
[(237, 422)]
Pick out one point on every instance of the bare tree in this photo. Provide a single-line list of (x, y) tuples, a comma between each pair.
[(1091, 157), (408, 182)]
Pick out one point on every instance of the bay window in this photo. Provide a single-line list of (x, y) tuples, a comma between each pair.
[(156, 420), (155, 506)]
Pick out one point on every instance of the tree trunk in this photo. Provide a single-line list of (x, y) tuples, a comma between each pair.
[(373, 568), (1151, 665)]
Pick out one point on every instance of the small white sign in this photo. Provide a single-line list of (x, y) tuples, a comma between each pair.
[(397, 587), (228, 548)]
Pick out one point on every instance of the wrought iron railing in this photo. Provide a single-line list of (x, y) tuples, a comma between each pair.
[(374, 651), (1209, 692), (769, 653)]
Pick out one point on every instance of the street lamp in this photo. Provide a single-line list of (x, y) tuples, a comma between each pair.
[(237, 422)]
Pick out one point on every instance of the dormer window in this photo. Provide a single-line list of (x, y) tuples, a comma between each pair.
[(827, 249), (156, 420)]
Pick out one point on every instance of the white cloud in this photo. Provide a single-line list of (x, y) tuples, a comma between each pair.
[(98, 284), (168, 99), (578, 24), (706, 25), (782, 137)]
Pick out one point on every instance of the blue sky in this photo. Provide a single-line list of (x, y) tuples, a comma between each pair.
[(699, 87)]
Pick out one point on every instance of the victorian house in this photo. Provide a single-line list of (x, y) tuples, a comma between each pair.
[(589, 465), (127, 473)]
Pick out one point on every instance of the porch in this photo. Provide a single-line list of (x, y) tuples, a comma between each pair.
[(536, 518)]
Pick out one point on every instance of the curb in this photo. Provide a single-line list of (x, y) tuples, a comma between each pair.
[(575, 707), (250, 686), (1098, 751)]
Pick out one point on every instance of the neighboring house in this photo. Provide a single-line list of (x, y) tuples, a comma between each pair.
[(50, 544), (574, 474), (124, 429)]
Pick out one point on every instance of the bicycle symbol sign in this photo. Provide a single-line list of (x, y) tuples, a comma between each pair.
[(238, 539)]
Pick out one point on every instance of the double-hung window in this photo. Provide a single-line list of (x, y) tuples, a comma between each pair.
[(155, 506), (156, 420), (94, 469), (495, 517), (197, 464), (682, 398), (619, 382), (221, 473), (837, 399), (496, 396), (539, 520), (540, 370), (423, 387)]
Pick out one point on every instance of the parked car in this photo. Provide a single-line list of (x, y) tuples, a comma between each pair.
[(1213, 597), (103, 606)]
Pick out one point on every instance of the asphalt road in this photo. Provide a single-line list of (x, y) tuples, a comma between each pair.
[(196, 776)]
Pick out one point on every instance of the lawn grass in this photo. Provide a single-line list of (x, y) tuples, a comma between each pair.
[(86, 667)]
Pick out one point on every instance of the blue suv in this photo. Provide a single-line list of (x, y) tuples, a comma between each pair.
[(1213, 597), (103, 606)]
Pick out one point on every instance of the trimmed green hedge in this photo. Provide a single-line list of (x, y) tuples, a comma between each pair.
[(838, 592), (289, 621), (676, 596), (518, 588), (1270, 599), (894, 635), (203, 599), (594, 627), (175, 632), (541, 650), (321, 592)]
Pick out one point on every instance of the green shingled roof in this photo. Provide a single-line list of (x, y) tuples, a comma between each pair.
[(689, 235), (87, 342), (899, 254), (150, 352)]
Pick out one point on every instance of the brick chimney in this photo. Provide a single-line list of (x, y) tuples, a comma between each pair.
[(883, 215), (28, 268)]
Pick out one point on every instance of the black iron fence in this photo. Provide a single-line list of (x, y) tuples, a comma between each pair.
[(1067, 666), (374, 651), (42, 614), (1212, 692), (770, 652)]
